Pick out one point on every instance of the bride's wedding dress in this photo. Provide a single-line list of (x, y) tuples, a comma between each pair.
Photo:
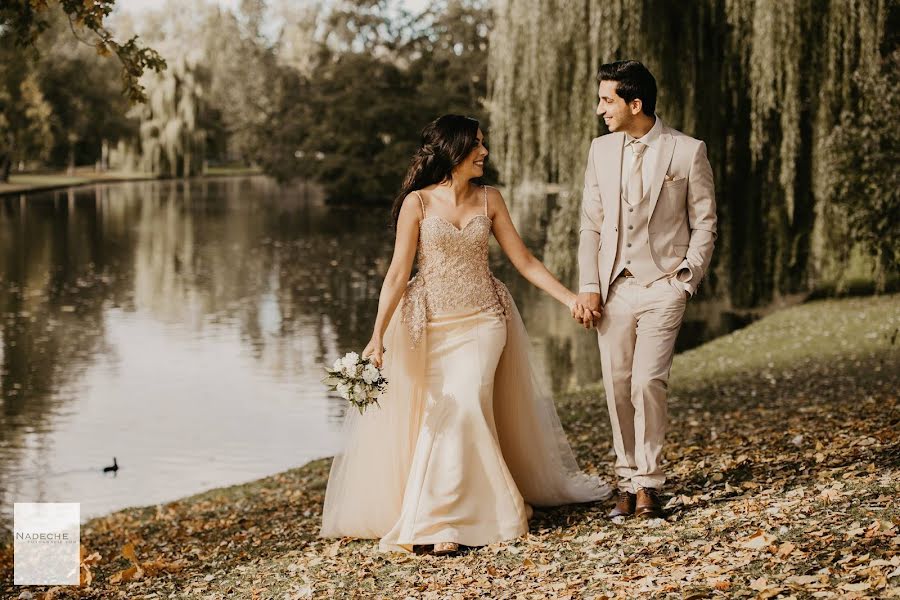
[(465, 439)]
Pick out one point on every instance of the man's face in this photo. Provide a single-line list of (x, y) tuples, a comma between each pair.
[(612, 107)]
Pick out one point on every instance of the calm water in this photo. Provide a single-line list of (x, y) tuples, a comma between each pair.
[(182, 327)]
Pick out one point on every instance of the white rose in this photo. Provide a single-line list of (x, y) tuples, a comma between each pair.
[(350, 359), (338, 364), (359, 391), (344, 390), (371, 374)]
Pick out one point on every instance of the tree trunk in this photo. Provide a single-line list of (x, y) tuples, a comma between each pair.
[(5, 167), (6, 159)]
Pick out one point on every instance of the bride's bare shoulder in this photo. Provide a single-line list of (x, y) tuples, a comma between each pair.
[(495, 200), (414, 204)]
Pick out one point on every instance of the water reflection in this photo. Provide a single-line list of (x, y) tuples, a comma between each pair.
[(178, 326), (183, 326)]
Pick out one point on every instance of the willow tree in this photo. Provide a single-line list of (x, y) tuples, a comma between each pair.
[(761, 81), (171, 137)]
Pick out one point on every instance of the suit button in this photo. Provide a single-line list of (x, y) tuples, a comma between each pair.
[(630, 210), (627, 262), (631, 227), (629, 244)]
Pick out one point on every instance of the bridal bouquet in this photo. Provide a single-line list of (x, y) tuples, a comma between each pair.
[(356, 380)]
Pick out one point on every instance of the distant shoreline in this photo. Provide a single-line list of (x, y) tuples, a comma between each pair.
[(40, 182)]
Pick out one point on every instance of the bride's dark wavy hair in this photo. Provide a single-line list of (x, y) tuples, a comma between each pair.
[(446, 142)]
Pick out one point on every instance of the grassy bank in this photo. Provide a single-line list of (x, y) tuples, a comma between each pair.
[(784, 461), (21, 184)]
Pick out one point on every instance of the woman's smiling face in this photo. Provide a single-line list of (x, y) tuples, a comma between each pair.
[(473, 165)]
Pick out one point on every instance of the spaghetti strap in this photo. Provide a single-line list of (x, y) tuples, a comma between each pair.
[(422, 202), (485, 201)]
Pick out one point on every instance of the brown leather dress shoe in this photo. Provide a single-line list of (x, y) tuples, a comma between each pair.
[(624, 505), (648, 505)]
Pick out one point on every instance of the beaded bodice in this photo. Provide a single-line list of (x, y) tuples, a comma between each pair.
[(453, 272)]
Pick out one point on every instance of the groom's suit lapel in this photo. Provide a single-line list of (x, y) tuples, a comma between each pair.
[(663, 160)]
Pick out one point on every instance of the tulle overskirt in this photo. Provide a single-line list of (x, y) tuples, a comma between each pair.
[(465, 440)]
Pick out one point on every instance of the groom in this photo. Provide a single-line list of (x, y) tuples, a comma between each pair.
[(648, 226)]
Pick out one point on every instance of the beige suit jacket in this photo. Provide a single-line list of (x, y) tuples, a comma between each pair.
[(682, 227)]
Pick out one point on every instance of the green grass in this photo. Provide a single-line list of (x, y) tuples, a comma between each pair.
[(41, 180), (231, 171), (36, 182), (836, 331)]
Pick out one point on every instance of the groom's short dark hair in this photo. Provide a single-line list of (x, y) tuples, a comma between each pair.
[(634, 81)]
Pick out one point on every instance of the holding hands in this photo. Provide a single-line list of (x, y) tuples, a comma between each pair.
[(585, 308)]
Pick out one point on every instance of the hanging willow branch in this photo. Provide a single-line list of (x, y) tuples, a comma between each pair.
[(761, 81)]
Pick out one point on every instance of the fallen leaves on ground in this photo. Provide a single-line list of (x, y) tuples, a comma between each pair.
[(783, 454)]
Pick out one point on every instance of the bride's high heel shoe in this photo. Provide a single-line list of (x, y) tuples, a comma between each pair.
[(446, 548)]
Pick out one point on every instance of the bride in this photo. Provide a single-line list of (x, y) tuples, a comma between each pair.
[(465, 439)]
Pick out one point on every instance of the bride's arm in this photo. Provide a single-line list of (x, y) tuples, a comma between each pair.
[(522, 259), (397, 274)]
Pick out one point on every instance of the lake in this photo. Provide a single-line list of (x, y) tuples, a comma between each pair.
[(183, 327)]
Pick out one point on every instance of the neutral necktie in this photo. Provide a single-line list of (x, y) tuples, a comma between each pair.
[(635, 180)]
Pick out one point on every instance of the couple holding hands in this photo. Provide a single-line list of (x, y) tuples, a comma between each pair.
[(466, 439)]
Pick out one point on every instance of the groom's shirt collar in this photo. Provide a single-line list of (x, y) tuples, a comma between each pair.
[(651, 137)]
